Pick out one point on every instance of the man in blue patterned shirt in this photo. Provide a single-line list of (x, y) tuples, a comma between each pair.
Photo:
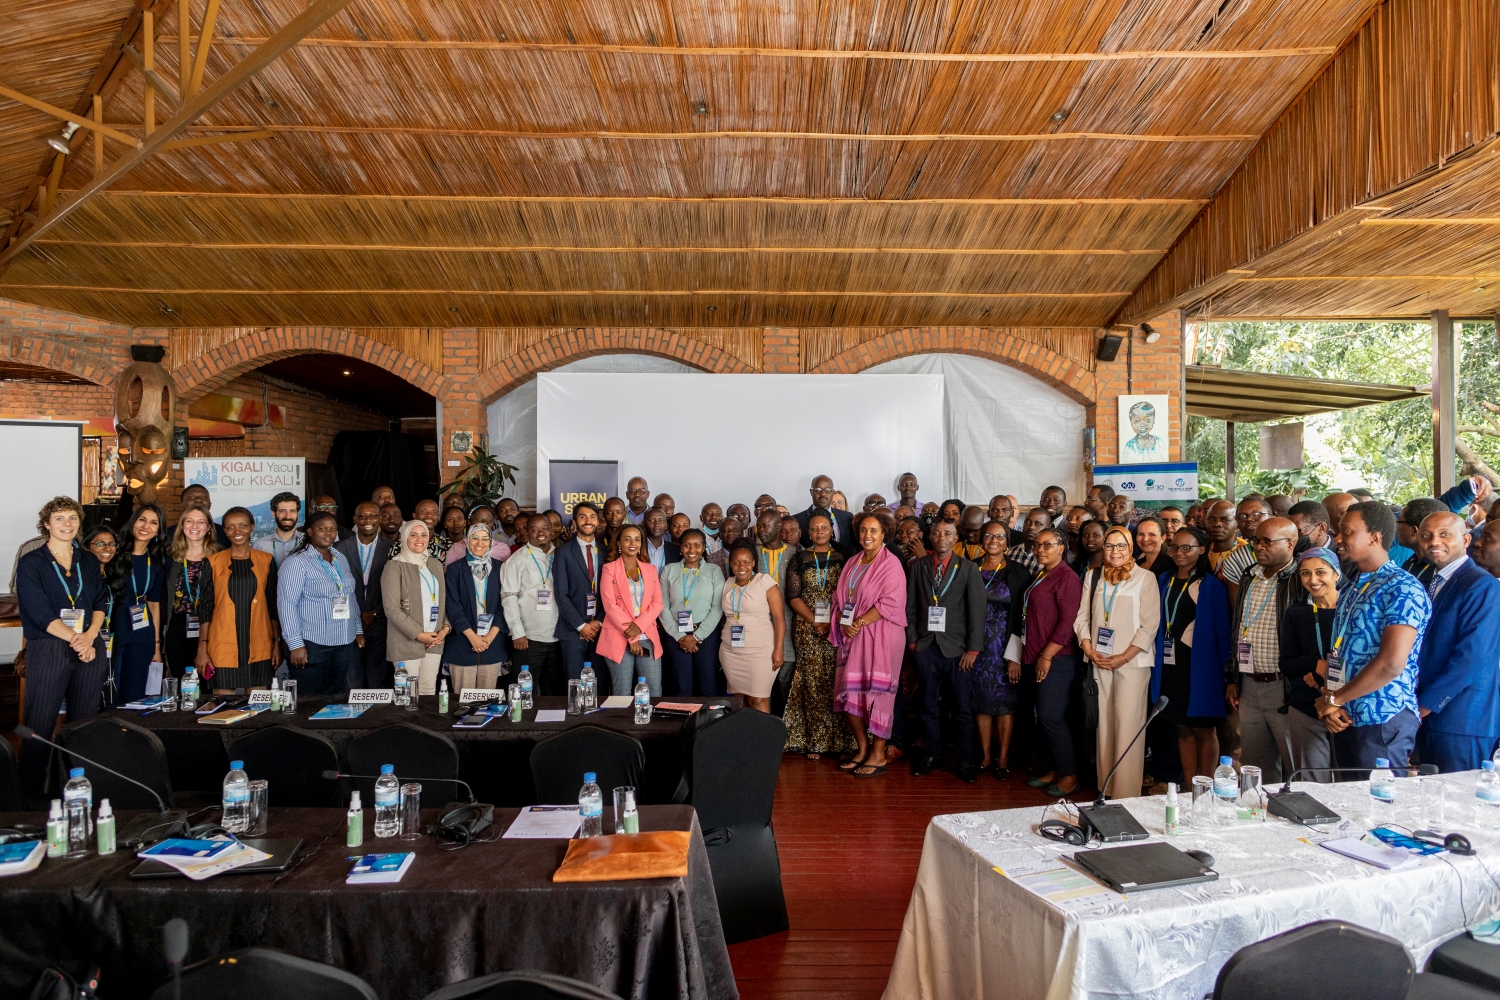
[(1371, 704)]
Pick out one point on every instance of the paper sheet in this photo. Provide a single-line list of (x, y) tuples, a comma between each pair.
[(551, 715), (1065, 887), (618, 701), (544, 823)]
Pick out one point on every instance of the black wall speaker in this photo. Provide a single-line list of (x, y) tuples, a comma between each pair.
[(1108, 347)]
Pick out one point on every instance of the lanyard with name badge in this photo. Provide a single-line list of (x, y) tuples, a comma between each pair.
[(1335, 658), (193, 594), (737, 632), (140, 615), (1105, 637), (72, 616), (855, 575), (1169, 644), (341, 599), (482, 605), (685, 616), (1244, 651), (544, 593), (822, 610), (937, 617), (1026, 601)]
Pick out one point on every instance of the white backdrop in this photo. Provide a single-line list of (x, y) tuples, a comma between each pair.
[(51, 454), (729, 438)]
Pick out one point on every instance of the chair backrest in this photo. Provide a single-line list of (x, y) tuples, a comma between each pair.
[(126, 748), (293, 762), (559, 762), (735, 763), (11, 799), (1329, 959), (262, 974), (521, 986), (417, 754)]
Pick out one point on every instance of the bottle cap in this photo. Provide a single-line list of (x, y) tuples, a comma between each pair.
[(77, 772), (275, 683), (236, 765), (354, 800), (640, 680), (1382, 762), (1171, 791), (56, 812), (1227, 760), (105, 812), (387, 768), (589, 777), (1484, 765), (443, 684)]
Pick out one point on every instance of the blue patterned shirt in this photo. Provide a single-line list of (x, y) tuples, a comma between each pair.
[(1368, 604)]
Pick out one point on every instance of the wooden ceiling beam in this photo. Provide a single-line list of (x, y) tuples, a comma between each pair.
[(160, 87), (463, 248), (205, 42), (1447, 221), (632, 199), (674, 51), (56, 112), (575, 292), (216, 140), (315, 14)]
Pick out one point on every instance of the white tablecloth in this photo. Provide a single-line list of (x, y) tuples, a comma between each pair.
[(972, 932)]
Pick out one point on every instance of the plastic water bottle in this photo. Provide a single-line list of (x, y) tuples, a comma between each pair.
[(78, 807), (1487, 797), (588, 684), (402, 698), (1226, 792), (526, 685), (189, 690), (236, 818), (642, 702), (1382, 793), (106, 828), (590, 807), (387, 803)]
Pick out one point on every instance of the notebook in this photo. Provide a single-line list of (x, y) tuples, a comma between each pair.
[(380, 869), (228, 717)]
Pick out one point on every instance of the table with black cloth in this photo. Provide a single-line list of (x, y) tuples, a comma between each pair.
[(494, 760), (491, 907)]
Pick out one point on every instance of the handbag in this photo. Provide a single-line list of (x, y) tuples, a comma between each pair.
[(1089, 686)]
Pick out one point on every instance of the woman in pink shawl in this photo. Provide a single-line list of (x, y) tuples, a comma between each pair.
[(871, 607)]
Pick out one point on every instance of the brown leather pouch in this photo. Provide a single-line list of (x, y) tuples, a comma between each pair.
[(626, 856)]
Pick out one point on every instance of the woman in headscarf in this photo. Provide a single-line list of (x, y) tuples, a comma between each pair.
[(414, 590), (870, 611), (1306, 637), (475, 650), (1116, 629), (1192, 650)]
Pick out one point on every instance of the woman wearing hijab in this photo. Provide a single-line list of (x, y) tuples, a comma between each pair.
[(414, 590), (475, 649), (140, 571), (1192, 650), (870, 612), (1306, 637), (1116, 629)]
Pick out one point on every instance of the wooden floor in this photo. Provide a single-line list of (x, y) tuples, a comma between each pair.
[(849, 851)]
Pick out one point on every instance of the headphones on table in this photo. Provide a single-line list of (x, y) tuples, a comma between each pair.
[(1063, 832), (461, 825), (1453, 843)]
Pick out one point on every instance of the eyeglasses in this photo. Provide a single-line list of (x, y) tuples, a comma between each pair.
[(1269, 541), (1048, 545), (1116, 547), (103, 543)]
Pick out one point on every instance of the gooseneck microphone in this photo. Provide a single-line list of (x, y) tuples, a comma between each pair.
[(335, 775), (1110, 822)]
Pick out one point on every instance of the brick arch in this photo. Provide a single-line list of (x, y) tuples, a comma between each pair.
[(60, 356), (229, 361), (570, 345), (1062, 373)]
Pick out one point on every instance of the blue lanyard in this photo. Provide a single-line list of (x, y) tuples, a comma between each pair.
[(135, 586), (820, 570), (1026, 598), (637, 590), (995, 574), (335, 574), (1172, 605), (545, 576), (687, 585), (429, 583), (856, 574), (365, 560), (187, 584), (481, 592), (1109, 599), (938, 572), (1258, 611), (765, 561), (1346, 610), (736, 598), (72, 597), (1318, 633)]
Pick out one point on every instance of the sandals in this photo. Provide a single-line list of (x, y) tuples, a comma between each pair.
[(875, 771), (851, 765)]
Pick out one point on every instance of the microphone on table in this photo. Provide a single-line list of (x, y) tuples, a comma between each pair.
[(335, 775), (174, 821), (1110, 822), (1302, 808), (175, 947)]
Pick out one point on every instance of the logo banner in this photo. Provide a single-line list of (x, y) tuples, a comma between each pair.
[(248, 483), (575, 481), (1152, 484)]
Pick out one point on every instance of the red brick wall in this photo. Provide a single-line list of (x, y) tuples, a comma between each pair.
[(1156, 371), (312, 420), (781, 350)]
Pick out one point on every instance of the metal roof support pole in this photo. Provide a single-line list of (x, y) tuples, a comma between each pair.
[(1444, 402), (1229, 460)]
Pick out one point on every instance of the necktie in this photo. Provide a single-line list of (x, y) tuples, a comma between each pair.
[(588, 553)]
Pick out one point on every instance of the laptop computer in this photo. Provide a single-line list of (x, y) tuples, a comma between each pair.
[(1137, 867), (281, 854)]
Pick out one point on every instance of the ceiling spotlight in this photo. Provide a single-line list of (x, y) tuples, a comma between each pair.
[(700, 107), (1152, 336), (713, 308), (346, 371), (453, 309), (1060, 116), (61, 142)]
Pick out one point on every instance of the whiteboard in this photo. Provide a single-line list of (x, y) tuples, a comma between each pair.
[(729, 438), (51, 454)]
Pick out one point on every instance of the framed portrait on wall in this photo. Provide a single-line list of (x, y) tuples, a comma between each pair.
[(1144, 421)]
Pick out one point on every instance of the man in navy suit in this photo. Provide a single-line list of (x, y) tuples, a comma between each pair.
[(1458, 682), (367, 551), (822, 503), (576, 568)]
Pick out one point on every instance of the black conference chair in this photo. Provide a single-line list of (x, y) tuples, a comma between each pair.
[(126, 748), (1470, 961), (703, 717), (262, 974), (293, 762), (558, 763), (11, 799), (735, 762), (419, 755), (521, 986)]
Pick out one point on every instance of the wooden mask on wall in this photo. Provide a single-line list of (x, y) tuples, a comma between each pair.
[(144, 400)]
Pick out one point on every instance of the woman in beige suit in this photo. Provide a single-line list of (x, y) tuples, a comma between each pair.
[(416, 606)]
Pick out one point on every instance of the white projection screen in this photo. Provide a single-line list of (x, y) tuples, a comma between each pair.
[(52, 455), (729, 438)]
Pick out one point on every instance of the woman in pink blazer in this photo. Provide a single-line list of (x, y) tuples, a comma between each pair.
[(632, 601)]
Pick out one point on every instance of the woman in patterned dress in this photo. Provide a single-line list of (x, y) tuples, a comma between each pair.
[(997, 680), (812, 728)]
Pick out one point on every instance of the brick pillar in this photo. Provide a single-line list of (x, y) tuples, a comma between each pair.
[(1156, 370), (460, 402), (781, 350)]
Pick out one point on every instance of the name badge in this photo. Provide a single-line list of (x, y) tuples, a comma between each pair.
[(822, 612), (1104, 640), (544, 600), (372, 696), (937, 619), (1169, 653), (432, 618), (591, 607), (140, 615), (341, 608), (1335, 663), (470, 695), (685, 622), (1245, 655), (260, 696), (847, 618), (73, 618), (192, 625), (737, 636), (482, 627)]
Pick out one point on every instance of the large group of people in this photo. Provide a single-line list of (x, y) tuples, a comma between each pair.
[(1303, 635)]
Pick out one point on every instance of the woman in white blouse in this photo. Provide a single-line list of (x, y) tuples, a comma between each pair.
[(1116, 628)]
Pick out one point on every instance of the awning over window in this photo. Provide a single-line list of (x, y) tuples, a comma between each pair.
[(1256, 397)]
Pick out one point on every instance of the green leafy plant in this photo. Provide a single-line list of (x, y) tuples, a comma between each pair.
[(483, 480)]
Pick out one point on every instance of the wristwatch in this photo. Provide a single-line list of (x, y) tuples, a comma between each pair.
[(1333, 701)]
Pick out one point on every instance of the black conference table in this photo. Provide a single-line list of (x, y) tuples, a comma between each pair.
[(494, 760), (490, 907)]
